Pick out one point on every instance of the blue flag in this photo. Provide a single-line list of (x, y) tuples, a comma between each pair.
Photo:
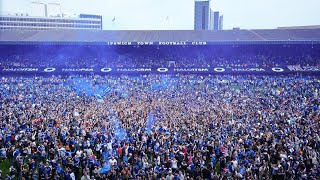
[(106, 168), (99, 98), (107, 90)]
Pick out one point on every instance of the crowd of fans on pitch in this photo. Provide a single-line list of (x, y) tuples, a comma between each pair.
[(161, 127)]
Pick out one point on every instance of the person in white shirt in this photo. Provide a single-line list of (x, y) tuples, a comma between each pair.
[(72, 176), (85, 176), (109, 147), (170, 176), (181, 175), (89, 152), (174, 164), (79, 152), (113, 161)]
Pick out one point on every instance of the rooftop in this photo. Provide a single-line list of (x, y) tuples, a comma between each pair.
[(209, 36)]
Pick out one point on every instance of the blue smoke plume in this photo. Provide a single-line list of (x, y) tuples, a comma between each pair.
[(150, 122), (119, 132), (164, 83), (84, 87)]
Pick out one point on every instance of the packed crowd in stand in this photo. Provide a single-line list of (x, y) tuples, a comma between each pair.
[(214, 56), (160, 127), (155, 61)]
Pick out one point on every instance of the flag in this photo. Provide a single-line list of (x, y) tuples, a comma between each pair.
[(106, 168), (107, 90), (114, 18), (99, 98)]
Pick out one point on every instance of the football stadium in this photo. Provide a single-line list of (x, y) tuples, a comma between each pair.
[(229, 104), (160, 104)]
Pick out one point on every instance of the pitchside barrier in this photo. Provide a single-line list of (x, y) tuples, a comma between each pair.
[(292, 69)]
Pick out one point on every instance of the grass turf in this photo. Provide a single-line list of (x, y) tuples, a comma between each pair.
[(4, 167)]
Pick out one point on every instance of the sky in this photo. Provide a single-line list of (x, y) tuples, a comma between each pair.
[(179, 14)]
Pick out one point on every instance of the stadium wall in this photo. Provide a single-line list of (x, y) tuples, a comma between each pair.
[(285, 70)]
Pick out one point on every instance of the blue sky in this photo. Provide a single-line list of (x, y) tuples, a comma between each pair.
[(152, 14)]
